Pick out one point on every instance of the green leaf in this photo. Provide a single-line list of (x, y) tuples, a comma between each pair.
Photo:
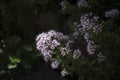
[(14, 59), (1, 51), (12, 66), (26, 65)]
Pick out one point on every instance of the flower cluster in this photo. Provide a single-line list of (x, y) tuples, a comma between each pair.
[(47, 41), (84, 27), (77, 53), (91, 47), (87, 24), (101, 57), (82, 3), (90, 24), (55, 46), (66, 48), (112, 13), (64, 4)]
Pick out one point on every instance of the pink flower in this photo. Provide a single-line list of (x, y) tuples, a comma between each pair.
[(55, 64), (64, 72)]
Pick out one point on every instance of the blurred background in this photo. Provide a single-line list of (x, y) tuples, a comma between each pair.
[(20, 22)]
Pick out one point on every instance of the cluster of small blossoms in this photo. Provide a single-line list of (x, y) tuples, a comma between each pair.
[(87, 24), (66, 49), (77, 53), (47, 41), (91, 47), (90, 24), (100, 57), (82, 3), (64, 4), (84, 27), (112, 13)]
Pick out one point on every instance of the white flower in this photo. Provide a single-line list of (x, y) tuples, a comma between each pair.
[(68, 43), (91, 47), (64, 4), (86, 22), (75, 34), (54, 44), (52, 33), (87, 36), (77, 53), (82, 3), (64, 72), (55, 64), (97, 28), (96, 18), (112, 13), (46, 57), (65, 50), (100, 57), (89, 24)]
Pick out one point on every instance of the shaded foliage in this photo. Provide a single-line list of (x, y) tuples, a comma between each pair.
[(20, 22)]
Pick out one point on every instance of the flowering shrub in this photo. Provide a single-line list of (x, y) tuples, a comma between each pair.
[(58, 49), (85, 51)]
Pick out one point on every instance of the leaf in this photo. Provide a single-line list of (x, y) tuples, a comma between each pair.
[(1, 51), (26, 65), (12, 66), (93, 62), (14, 59), (14, 40), (28, 47)]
